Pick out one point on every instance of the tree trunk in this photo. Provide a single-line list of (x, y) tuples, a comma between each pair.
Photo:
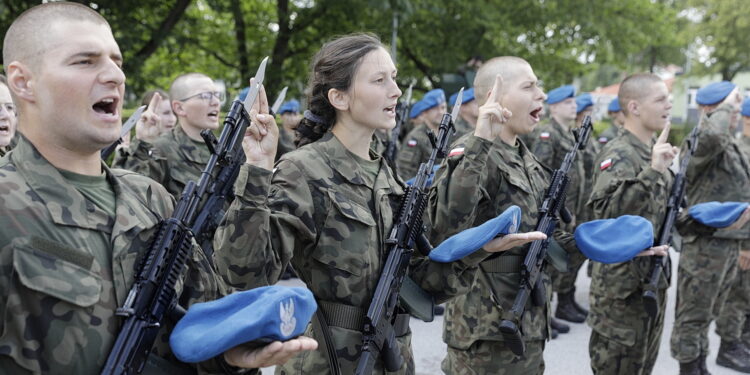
[(239, 32)]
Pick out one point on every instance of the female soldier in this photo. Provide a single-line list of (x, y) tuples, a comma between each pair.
[(328, 207)]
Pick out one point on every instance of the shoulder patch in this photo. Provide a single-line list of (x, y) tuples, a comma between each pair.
[(544, 135), (605, 164), (603, 140), (456, 151), (412, 142)]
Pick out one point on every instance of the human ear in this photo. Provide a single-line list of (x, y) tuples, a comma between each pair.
[(20, 81), (338, 99), (177, 108)]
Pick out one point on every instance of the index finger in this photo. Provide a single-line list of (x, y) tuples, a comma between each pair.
[(664, 134), (495, 89), (155, 102)]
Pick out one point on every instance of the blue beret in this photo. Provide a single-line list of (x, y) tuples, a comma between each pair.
[(433, 98), (417, 109), (714, 92), (583, 101), (561, 93), (468, 96), (243, 93), (261, 314), (290, 106), (746, 107), (614, 240), (468, 241), (716, 214), (614, 105)]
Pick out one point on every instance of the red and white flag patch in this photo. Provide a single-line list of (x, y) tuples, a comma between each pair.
[(412, 143), (605, 164), (544, 135), (456, 151), (603, 140)]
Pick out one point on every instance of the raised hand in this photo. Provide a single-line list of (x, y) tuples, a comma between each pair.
[(663, 153), (262, 136), (656, 250), (273, 354), (148, 126), (492, 115)]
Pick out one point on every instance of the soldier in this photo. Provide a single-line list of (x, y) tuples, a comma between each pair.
[(8, 117), (618, 121), (551, 142), (328, 206), (485, 173), (156, 120), (732, 323), (72, 229), (417, 147), (168, 120), (584, 106), (290, 117), (467, 119), (632, 179), (180, 155), (718, 171)]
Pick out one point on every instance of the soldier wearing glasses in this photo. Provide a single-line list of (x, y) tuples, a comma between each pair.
[(181, 154)]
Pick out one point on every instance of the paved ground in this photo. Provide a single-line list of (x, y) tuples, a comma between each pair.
[(567, 355)]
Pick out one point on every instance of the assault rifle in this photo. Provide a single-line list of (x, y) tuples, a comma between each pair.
[(378, 337), (402, 115), (662, 264), (153, 294), (533, 265)]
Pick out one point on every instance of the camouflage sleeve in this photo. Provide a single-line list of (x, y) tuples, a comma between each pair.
[(713, 139), (619, 189), (408, 160), (446, 280), (270, 219), (140, 157), (458, 188)]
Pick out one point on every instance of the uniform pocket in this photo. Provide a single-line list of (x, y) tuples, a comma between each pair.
[(65, 277), (347, 235)]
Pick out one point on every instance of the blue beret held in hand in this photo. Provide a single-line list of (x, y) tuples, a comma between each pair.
[(717, 214), (614, 240)]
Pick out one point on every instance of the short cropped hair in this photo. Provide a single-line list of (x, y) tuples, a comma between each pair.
[(25, 40), (180, 88), (635, 87), (506, 66)]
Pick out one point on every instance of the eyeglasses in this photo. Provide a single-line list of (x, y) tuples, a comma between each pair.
[(9, 107), (207, 95)]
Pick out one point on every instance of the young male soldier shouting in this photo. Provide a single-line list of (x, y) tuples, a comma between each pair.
[(71, 229)]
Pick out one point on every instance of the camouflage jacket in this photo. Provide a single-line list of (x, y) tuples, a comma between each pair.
[(478, 181), (320, 210), (718, 171), (286, 142), (625, 184), (172, 160), (462, 128), (551, 142), (609, 134), (66, 265), (414, 151)]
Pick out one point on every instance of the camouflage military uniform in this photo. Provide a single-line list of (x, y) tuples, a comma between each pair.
[(623, 339), (66, 265), (286, 142), (173, 160), (551, 142), (609, 134), (462, 128), (329, 212), (414, 151), (141, 157), (478, 181), (708, 264), (730, 319)]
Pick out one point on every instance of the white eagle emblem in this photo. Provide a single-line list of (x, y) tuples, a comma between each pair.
[(288, 321)]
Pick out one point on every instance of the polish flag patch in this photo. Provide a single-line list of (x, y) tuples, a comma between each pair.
[(544, 135), (605, 164), (412, 143), (603, 140), (456, 151)]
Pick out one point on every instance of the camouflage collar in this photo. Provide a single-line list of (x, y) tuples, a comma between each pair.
[(64, 203), (189, 148), (564, 131), (341, 161), (644, 150)]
